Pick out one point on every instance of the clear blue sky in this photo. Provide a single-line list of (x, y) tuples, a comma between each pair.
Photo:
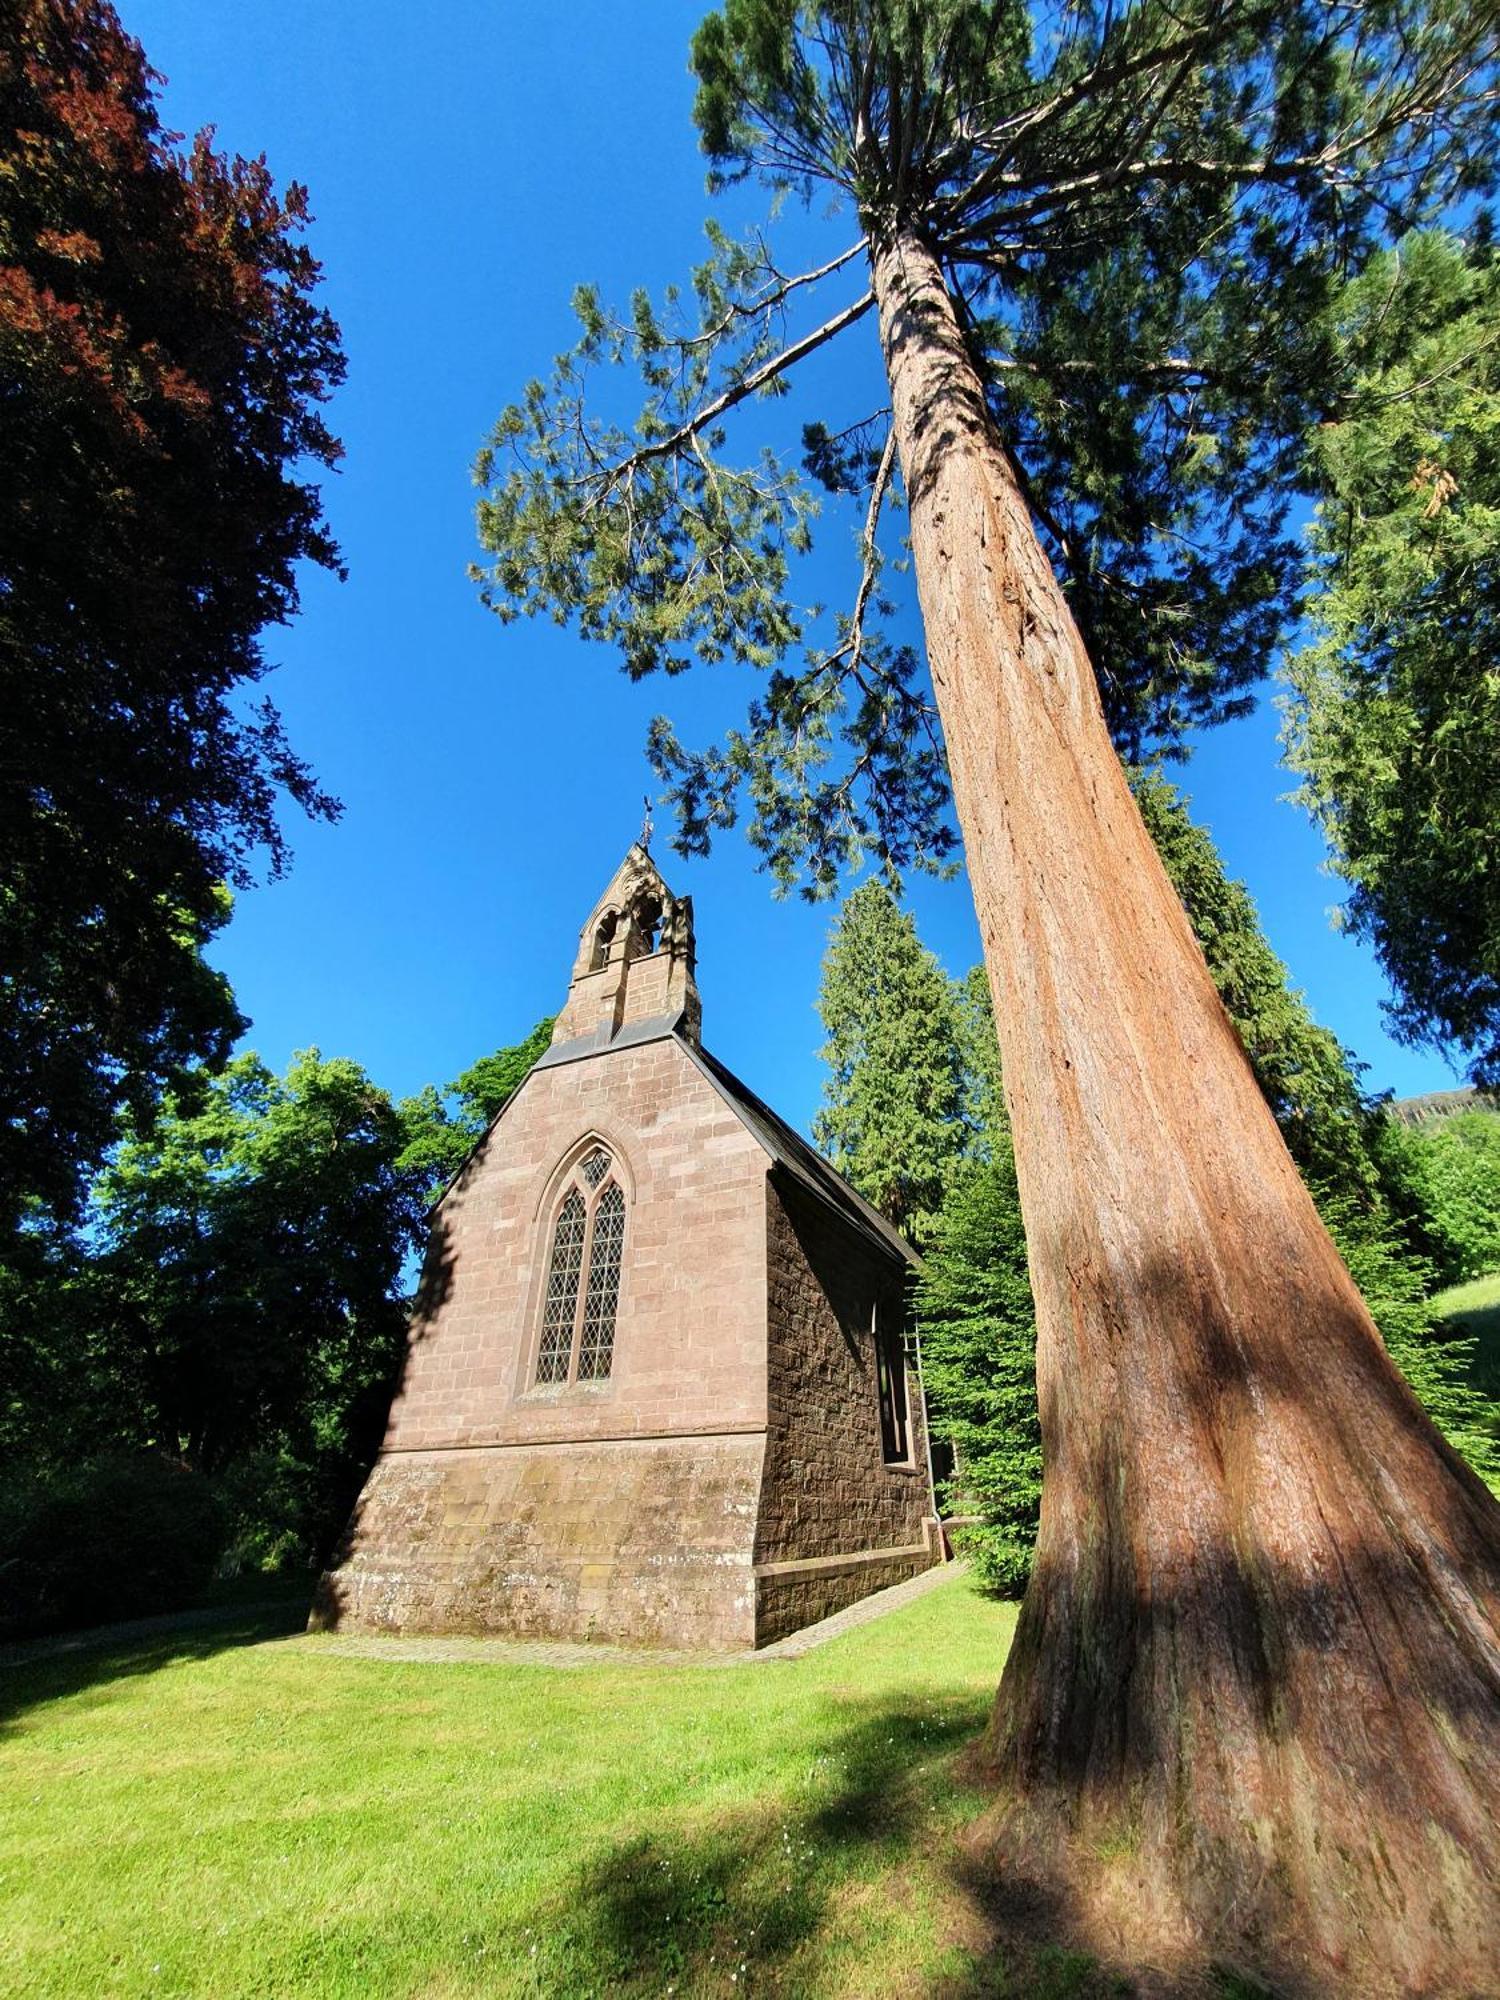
[(469, 163)]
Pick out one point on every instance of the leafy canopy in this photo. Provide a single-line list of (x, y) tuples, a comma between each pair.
[(1393, 715), (1455, 1165), (239, 1296), (164, 366), (252, 1252), (444, 1126), (1142, 212)]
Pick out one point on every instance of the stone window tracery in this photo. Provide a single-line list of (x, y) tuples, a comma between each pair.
[(561, 1306), (578, 1314)]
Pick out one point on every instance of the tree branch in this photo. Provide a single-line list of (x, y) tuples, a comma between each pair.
[(741, 391)]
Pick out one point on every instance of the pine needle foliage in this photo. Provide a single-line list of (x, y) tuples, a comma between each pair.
[(1393, 714), (974, 1308), (1142, 213), (895, 1118)]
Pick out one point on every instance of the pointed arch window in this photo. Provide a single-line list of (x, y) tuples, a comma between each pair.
[(578, 1311)]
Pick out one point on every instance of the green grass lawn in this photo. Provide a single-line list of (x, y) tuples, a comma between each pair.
[(1474, 1311), (223, 1813)]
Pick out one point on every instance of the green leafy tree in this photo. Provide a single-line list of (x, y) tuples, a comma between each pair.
[(164, 363), (1393, 719), (893, 1118), (444, 1126), (1099, 247), (249, 1279), (1456, 1169)]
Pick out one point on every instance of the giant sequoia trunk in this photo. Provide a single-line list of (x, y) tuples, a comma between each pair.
[(1253, 1706)]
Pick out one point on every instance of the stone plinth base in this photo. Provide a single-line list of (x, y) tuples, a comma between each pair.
[(641, 1543), (789, 1595)]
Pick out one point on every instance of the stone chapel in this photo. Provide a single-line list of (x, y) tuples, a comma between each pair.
[(657, 1390)]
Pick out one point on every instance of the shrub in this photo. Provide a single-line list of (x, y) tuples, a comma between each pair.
[(1456, 1167), (116, 1537)]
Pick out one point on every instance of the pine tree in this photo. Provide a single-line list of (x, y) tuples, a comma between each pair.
[(1393, 715), (893, 1118), (1098, 258)]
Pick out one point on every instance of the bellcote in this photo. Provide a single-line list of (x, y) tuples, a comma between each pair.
[(635, 962)]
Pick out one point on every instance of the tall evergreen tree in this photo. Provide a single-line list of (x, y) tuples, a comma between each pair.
[(1098, 255), (977, 1323), (163, 365), (893, 1119), (1393, 718), (1371, 1185)]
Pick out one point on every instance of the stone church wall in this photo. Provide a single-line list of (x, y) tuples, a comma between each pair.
[(644, 1543), (836, 1522), (690, 1338), (623, 1508)]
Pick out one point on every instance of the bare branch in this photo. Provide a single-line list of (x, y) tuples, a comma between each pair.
[(740, 392)]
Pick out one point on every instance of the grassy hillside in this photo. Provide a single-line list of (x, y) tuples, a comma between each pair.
[(233, 1813), (1473, 1310)]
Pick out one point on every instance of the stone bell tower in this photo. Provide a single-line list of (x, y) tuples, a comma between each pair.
[(635, 963)]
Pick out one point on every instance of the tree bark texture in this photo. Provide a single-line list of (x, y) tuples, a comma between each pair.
[(1253, 1705)]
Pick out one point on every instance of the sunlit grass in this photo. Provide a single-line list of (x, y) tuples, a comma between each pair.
[(1473, 1310), (207, 1815)]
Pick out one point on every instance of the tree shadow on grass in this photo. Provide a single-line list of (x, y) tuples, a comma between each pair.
[(37, 1671), (757, 1902)]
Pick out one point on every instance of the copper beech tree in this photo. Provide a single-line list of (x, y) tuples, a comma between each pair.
[(164, 363), (1252, 1711)]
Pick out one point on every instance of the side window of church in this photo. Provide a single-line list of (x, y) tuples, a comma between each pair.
[(890, 1372), (583, 1275)]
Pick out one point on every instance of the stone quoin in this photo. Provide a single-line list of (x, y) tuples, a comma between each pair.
[(657, 1389)]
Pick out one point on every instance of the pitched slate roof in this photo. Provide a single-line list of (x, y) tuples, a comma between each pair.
[(792, 1153)]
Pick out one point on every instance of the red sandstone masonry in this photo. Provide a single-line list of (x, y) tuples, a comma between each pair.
[(724, 1484), (690, 1346), (826, 1492)]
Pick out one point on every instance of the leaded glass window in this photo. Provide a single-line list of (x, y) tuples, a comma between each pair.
[(597, 1336), (578, 1313), (560, 1309)]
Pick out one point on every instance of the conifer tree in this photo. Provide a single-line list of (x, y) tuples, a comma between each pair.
[(978, 1327), (974, 1303), (1393, 717), (1098, 247), (893, 1119)]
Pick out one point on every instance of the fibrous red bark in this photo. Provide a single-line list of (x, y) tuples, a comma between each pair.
[(1253, 1705)]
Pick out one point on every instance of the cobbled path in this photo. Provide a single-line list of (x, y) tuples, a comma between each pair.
[(459, 1652)]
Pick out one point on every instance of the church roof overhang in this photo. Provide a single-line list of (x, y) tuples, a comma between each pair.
[(800, 1161)]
